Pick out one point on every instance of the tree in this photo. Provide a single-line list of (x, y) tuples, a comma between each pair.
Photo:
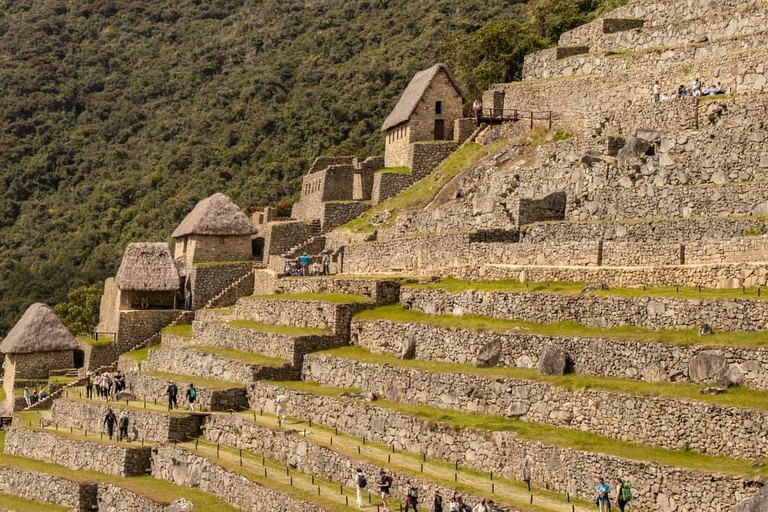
[(80, 312)]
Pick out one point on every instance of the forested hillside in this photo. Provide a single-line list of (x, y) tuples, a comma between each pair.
[(117, 116)]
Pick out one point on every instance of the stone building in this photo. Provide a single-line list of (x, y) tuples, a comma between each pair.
[(426, 111), (37, 344)]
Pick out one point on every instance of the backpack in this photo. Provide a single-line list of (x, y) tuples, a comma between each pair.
[(361, 481), (625, 493), (414, 493), (172, 389), (192, 393)]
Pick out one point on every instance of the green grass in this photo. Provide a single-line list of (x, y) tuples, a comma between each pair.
[(103, 340), (278, 329), (681, 337), (202, 264), (181, 330), (715, 97), (735, 397), (420, 194), (243, 357), (394, 170), (17, 504), (335, 298), (199, 382), (139, 355), (509, 285), (565, 438), (312, 387), (157, 490), (61, 379)]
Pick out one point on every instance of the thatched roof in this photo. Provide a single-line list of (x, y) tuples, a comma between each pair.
[(148, 267), (216, 215), (38, 330), (414, 92)]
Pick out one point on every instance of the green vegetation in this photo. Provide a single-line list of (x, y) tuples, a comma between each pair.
[(200, 382), (564, 437), (288, 330), (335, 298), (312, 387), (243, 357), (394, 170), (139, 355), (181, 330), (60, 379), (510, 285), (3, 395), (753, 231), (80, 311), (714, 97), (11, 502), (420, 194), (682, 337), (735, 397), (103, 340)]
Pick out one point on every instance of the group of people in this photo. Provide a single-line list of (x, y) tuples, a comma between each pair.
[(306, 266), (110, 421), (603, 495), (384, 483), (31, 398), (105, 384), (173, 395), (697, 88)]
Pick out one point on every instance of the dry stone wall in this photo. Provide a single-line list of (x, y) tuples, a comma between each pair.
[(210, 280), (153, 388), (655, 487), (381, 291), (44, 488), (664, 422), (77, 454), (137, 326), (113, 498), (182, 467), (650, 312)]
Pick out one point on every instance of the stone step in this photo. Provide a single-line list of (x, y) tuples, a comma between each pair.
[(688, 421), (211, 395), (231, 366), (143, 424), (553, 464)]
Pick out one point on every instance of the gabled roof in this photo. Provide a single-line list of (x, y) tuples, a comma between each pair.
[(38, 330), (215, 215), (149, 267), (414, 92)]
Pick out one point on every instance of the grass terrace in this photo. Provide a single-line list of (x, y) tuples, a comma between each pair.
[(333, 298), (394, 170), (278, 329), (17, 504), (104, 339), (181, 330), (563, 437), (682, 337), (252, 358), (509, 285), (139, 355), (200, 382), (735, 397)]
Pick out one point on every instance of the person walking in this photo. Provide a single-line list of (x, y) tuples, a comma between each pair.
[(623, 494), (602, 500), (172, 391), (326, 261), (656, 88), (481, 507), (123, 426), (385, 487), (304, 260), (411, 496), (437, 503), (282, 407), (109, 422), (360, 484), (191, 396), (27, 397), (88, 385)]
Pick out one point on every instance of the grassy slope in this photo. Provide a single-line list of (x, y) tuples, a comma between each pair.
[(335, 298), (278, 329)]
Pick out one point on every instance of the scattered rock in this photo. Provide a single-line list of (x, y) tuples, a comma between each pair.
[(757, 503), (705, 365), (590, 157), (701, 39), (731, 376), (706, 330), (124, 395), (179, 505), (712, 390), (517, 409), (594, 288), (552, 361), (489, 355), (368, 397), (407, 349)]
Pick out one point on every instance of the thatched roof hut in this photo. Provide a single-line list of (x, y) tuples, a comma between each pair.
[(414, 92), (147, 267), (216, 215), (38, 330)]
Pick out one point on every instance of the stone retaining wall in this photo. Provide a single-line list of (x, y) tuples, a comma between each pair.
[(182, 467), (154, 388), (619, 358), (137, 326), (650, 312), (77, 454), (655, 487), (380, 290), (150, 425), (113, 498), (210, 280), (664, 422), (44, 488)]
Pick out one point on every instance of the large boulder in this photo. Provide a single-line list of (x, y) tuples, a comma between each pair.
[(407, 349), (706, 365), (757, 503), (731, 376), (552, 361), (489, 355)]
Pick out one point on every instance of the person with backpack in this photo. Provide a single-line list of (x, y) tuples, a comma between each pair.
[(191, 396), (602, 500), (437, 503), (623, 494), (411, 496), (109, 421), (123, 426), (385, 486), (360, 484), (172, 391)]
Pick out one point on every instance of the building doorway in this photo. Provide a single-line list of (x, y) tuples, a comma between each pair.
[(439, 129)]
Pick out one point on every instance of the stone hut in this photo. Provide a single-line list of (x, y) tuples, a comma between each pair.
[(426, 111), (215, 230), (147, 277), (37, 344)]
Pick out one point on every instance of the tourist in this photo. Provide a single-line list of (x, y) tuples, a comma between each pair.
[(109, 421), (326, 260), (42, 395), (187, 299), (304, 261), (191, 396), (492, 507), (96, 384), (623, 494), (360, 484), (411, 496), (288, 269), (437, 503), (110, 385), (601, 496), (282, 407), (455, 503), (385, 486), (119, 382), (172, 391), (27, 397), (481, 507), (477, 109), (711, 91), (123, 426), (34, 395), (656, 92), (88, 385)]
